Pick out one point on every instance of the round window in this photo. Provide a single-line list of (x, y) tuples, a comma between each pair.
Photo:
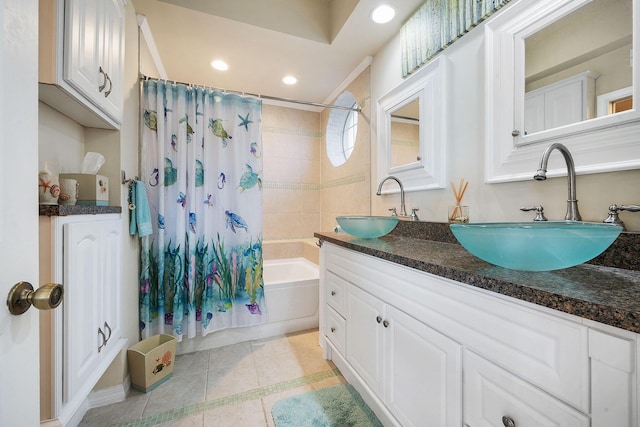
[(342, 129)]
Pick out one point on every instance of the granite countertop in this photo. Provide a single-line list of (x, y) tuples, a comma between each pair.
[(64, 210), (601, 293)]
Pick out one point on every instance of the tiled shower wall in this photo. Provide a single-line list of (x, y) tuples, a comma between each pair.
[(303, 192)]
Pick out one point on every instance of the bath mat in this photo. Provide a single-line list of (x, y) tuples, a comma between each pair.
[(337, 406)]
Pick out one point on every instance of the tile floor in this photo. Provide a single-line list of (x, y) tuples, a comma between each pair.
[(233, 386)]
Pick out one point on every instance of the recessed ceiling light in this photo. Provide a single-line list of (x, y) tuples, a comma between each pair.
[(219, 64), (289, 80), (383, 14)]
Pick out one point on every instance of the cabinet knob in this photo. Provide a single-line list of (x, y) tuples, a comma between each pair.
[(508, 422), (333, 293), (333, 329), (385, 323), (378, 319)]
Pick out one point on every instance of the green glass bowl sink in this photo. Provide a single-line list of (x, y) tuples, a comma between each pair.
[(536, 246), (367, 227)]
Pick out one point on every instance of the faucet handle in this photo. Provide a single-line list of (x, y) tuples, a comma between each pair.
[(539, 212), (393, 212), (613, 217), (414, 216)]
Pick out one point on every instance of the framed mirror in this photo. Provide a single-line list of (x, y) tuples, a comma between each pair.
[(411, 140), (562, 71)]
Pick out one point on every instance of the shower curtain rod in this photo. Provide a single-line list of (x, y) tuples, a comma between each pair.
[(271, 98)]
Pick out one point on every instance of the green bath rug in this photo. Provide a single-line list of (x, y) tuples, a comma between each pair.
[(337, 406)]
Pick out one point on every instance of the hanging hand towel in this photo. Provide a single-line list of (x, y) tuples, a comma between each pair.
[(141, 215)]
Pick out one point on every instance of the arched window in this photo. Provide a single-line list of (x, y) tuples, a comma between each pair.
[(342, 129)]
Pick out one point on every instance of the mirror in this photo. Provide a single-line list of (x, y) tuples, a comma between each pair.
[(410, 124), (405, 134), (562, 71), (589, 72)]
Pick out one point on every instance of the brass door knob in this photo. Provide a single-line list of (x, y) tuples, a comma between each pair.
[(22, 296)]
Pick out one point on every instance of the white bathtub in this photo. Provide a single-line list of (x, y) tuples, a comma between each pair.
[(291, 289)]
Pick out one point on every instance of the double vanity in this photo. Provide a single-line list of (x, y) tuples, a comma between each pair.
[(431, 335)]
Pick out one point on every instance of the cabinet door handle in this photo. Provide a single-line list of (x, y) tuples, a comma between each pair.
[(104, 340), (333, 293), (378, 319), (385, 323), (108, 92), (108, 329), (508, 422), (104, 81), (333, 329)]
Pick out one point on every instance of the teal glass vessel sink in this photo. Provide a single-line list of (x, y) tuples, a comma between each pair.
[(367, 227), (536, 246)]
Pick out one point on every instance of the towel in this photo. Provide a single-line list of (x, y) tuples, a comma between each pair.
[(140, 220)]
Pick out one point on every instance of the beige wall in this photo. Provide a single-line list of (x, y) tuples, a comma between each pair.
[(346, 188), (303, 192), (291, 140)]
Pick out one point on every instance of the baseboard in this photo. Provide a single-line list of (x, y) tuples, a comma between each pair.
[(110, 395)]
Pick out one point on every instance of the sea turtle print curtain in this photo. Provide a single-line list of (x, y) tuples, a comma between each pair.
[(201, 162)]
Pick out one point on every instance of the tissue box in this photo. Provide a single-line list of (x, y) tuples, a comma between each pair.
[(93, 190)]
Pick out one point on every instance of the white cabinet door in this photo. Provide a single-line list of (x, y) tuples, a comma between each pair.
[(93, 55), (110, 299), (112, 58), (365, 314), (493, 397), (82, 302), (423, 377), (83, 48)]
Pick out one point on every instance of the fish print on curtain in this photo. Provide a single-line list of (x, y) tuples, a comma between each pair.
[(201, 162)]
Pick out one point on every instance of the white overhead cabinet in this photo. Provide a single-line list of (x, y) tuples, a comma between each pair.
[(81, 60), (567, 101), (425, 350), (85, 335)]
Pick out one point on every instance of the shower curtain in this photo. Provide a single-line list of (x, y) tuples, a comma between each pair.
[(201, 164)]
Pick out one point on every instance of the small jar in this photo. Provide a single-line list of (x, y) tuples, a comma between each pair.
[(48, 186)]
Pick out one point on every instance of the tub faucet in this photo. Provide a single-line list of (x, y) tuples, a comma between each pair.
[(403, 210), (572, 203)]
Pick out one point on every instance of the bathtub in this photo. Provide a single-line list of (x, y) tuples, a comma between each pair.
[(291, 289)]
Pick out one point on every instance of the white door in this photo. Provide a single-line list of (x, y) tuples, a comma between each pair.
[(19, 376)]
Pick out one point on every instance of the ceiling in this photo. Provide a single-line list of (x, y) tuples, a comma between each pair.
[(320, 42)]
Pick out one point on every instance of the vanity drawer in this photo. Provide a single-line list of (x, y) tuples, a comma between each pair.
[(335, 329), (336, 292), (491, 393)]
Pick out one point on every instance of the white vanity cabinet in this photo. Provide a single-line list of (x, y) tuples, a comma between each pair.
[(413, 370), (82, 59), (412, 337), (86, 332)]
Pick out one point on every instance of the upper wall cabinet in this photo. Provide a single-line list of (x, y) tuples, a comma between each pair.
[(562, 71), (411, 130), (82, 58)]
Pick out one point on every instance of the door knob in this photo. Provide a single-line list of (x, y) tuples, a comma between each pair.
[(22, 296)]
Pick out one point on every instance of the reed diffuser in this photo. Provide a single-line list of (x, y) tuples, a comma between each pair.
[(459, 213)]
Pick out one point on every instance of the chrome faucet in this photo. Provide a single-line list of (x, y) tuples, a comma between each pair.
[(403, 210), (572, 203)]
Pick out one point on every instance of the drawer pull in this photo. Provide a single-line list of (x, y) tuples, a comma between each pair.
[(333, 293), (385, 323), (508, 422), (333, 329), (378, 319)]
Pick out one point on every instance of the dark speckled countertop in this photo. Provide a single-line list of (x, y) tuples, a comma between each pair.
[(595, 291)]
